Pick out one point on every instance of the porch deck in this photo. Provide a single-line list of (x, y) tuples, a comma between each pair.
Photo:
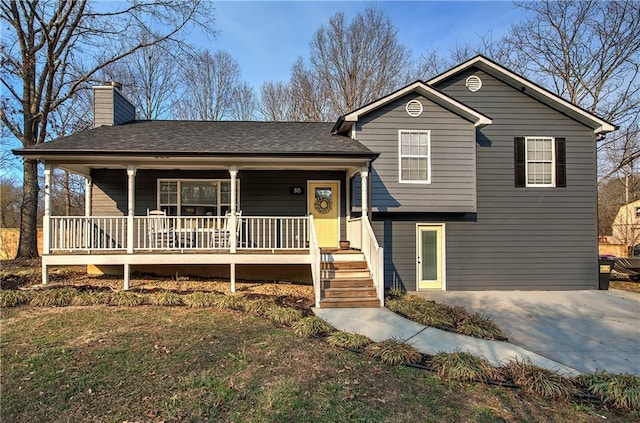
[(168, 240)]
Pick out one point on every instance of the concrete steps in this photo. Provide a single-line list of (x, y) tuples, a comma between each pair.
[(346, 281)]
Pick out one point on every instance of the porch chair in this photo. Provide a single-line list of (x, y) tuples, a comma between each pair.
[(161, 235), (222, 236)]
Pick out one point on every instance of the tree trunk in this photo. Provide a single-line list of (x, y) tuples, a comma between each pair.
[(28, 244)]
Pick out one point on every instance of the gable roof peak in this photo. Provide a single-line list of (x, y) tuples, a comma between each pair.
[(422, 88), (599, 125)]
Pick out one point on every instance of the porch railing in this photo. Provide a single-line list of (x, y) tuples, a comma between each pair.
[(82, 233), (171, 233), (181, 233), (374, 255), (354, 232), (273, 233), (314, 251)]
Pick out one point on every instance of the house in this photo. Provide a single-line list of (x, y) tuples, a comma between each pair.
[(626, 227), (475, 180)]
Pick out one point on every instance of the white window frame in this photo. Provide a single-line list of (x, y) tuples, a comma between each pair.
[(553, 162), (428, 156), (179, 200)]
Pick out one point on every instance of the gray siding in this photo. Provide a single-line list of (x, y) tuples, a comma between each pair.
[(109, 192), (522, 238), (453, 185), (110, 107), (262, 193)]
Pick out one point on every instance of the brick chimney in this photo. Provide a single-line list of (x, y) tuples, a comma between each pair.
[(110, 107)]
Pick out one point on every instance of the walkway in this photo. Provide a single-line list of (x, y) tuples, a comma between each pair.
[(380, 324)]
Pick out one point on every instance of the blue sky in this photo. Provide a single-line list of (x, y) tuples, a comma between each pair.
[(267, 37)]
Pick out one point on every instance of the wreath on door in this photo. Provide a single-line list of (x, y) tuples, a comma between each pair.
[(323, 204)]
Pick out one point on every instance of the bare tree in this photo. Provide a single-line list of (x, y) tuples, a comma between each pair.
[(210, 82), (310, 100), (587, 51), (244, 105), (355, 63), (275, 101), (51, 49), (150, 79)]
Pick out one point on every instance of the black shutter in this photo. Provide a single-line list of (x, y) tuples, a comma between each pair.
[(561, 162), (519, 162)]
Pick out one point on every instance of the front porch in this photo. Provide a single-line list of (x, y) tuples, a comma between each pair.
[(206, 241)]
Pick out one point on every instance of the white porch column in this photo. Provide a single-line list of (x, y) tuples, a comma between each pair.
[(233, 221), (88, 187), (131, 204), (364, 188), (46, 222)]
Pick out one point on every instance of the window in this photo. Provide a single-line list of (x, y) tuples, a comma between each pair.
[(194, 197), (540, 162), (415, 160), (638, 212)]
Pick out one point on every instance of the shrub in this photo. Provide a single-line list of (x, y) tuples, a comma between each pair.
[(91, 298), (231, 301), (53, 297), (11, 298), (463, 366), (165, 298), (534, 379), (123, 298), (284, 315), (259, 306), (394, 352), (619, 390), (200, 299), (312, 325), (348, 340), (395, 293)]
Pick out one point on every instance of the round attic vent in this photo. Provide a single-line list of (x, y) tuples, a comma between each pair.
[(473, 83), (414, 108)]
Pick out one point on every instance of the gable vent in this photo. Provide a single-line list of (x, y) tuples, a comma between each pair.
[(473, 83), (414, 108)]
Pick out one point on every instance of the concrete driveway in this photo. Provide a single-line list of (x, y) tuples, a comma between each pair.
[(585, 330)]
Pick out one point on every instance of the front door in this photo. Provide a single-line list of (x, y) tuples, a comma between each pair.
[(430, 261), (323, 202)]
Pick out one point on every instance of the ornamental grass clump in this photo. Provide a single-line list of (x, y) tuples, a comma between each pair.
[(91, 298), (354, 341), (621, 390), (200, 299), (464, 367), (284, 315), (230, 301), (543, 382), (259, 306), (53, 297), (311, 326), (165, 298), (11, 298), (394, 352), (128, 299), (478, 326)]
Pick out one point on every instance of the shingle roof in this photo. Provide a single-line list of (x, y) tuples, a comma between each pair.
[(208, 138)]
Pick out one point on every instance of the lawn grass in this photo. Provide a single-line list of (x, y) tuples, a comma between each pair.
[(162, 363)]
